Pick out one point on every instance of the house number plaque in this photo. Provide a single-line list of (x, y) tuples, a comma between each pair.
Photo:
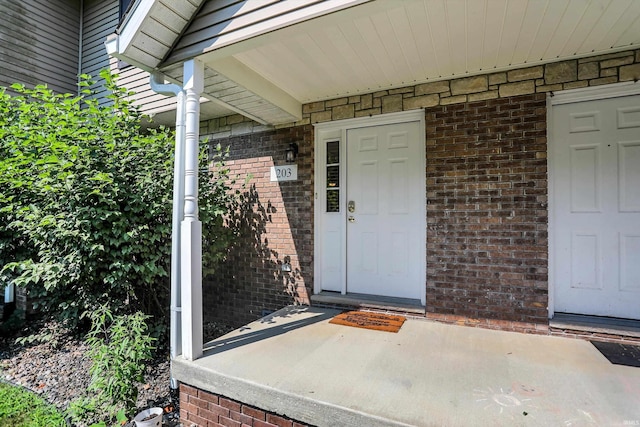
[(284, 173)]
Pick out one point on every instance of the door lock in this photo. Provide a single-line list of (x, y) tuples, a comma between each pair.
[(352, 219), (351, 206)]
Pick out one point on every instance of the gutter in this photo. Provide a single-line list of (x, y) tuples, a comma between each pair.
[(175, 328)]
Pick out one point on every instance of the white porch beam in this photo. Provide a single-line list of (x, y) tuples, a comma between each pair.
[(239, 73), (191, 228)]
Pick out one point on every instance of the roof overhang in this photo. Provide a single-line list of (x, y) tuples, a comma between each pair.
[(264, 59)]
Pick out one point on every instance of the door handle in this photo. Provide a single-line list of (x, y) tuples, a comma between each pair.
[(351, 206), (352, 219)]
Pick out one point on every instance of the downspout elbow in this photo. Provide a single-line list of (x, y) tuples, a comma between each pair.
[(156, 81)]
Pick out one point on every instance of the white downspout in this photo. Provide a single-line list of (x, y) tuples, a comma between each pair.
[(175, 339)]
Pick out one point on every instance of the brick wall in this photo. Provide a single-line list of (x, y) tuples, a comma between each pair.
[(199, 408), (487, 209), (274, 224)]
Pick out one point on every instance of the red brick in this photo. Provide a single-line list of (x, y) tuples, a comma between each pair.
[(254, 413), (228, 422), (230, 404), (219, 410), (258, 423), (211, 398), (237, 416), (279, 421), (187, 389)]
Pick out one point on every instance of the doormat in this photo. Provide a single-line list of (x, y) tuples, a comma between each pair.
[(368, 320), (619, 354)]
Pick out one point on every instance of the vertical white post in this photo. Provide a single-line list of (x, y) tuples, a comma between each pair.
[(191, 227)]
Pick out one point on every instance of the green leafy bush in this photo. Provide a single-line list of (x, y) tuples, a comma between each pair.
[(86, 197), (21, 408), (119, 346)]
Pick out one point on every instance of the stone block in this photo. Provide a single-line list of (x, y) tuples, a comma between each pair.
[(433, 87), (617, 62), (492, 94), (321, 116), (368, 112), (576, 85), (468, 85), (561, 72), (366, 101), (236, 118), (354, 99), (549, 88), (608, 72), (497, 78), (313, 107), (588, 70), (519, 88), (525, 74), (408, 89), (343, 112), (603, 81), (630, 72), (421, 101), (380, 93), (606, 56), (453, 100), (391, 103), (242, 128), (334, 102)]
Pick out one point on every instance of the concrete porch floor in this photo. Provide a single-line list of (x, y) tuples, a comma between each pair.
[(295, 363)]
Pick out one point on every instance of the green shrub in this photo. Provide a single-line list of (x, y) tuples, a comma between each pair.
[(86, 197), (21, 408)]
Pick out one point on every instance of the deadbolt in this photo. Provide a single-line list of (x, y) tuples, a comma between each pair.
[(351, 206)]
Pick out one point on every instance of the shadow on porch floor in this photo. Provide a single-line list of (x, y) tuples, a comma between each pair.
[(295, 363)]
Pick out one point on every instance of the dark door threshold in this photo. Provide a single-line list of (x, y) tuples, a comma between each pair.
[(596, 324), (377, 302)]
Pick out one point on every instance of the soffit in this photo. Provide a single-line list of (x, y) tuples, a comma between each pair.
[(387, 44)]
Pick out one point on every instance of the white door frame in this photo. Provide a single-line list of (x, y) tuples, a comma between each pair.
[(568, 97), (337, 131)]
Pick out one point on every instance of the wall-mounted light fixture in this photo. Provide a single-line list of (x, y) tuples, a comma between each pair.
[(292, 152)]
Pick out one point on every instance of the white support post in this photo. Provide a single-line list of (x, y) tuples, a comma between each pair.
[(191, 227)]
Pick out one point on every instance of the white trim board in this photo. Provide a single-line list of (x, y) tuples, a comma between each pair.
[(337, 131)]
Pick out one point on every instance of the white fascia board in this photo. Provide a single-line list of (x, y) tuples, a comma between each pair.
[(236, 71), (129, 29)]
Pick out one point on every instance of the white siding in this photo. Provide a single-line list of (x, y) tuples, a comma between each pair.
[(39, 43)]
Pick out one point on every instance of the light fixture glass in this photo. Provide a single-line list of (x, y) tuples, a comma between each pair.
[(291, 153)]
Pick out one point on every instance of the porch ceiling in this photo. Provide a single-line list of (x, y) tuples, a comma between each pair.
[(386, 44), (382, 44)]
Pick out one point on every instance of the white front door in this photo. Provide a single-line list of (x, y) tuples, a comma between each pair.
[(385, 210), (595, 157)]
